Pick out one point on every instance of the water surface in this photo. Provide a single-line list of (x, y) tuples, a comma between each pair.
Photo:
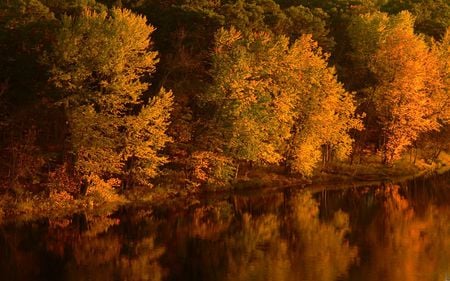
[(385, 232)]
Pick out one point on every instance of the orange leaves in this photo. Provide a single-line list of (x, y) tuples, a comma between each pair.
[(407, 78)]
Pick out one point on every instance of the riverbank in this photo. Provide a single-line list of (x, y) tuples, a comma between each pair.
[(101, 200)]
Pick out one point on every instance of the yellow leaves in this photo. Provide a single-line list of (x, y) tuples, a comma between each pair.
[(145, 137), (306, 155), (264, 90), (325, 111), (225, 39), (101, 191), (211, 168), (99, 59), (103, 52)]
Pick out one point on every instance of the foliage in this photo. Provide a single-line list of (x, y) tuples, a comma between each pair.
[(249, 117), (433, 16), (102, 191), (407, 79), (254, 84), (99, 60), (265, 89), (209, 168), (146, 137), (59, 180), (326, 112)]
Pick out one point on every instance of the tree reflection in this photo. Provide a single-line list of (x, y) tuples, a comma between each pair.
[(295, 246), (83, 247), (318, 249), (257, 252), (413, 246), (108, 255), (400, 234)]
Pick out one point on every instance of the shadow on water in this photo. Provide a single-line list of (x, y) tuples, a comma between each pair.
[(384, 232)]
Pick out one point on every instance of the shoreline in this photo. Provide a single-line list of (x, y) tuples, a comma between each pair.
[(28, 207)]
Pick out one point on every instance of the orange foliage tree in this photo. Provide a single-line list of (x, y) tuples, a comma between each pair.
[(407, 87)]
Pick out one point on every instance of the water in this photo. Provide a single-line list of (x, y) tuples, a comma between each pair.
[(387, 232)]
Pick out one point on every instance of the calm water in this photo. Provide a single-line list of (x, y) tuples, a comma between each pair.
[(388, 232)]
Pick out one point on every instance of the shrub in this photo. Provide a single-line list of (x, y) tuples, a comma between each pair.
[(101, 191), (210, 168)]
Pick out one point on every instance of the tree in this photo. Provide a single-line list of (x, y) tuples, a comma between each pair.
[(273, 102), (303, 20), (434, 143), (432, 16), (251, 113), (407, 78), (405, 83), (325, 111), (98, 63)]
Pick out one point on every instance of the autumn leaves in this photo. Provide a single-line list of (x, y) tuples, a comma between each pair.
[(270, 99), (277, 102), (410, 85), (99, 60)]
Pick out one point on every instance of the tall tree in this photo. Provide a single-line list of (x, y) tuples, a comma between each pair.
[(272, 101), (432, 16), (325, 112), (249, 118), (98, 63), (406, 79)]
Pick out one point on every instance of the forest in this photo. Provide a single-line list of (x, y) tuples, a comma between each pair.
[(100, 98)]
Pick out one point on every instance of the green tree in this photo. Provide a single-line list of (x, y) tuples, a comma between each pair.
[(250, 117), (303, 20), (432, 16)]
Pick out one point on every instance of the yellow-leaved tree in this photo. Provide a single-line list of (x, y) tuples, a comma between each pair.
[(250, 111), (325, 111), (408, 77), (98, 62), (272, 101), (435, 142)]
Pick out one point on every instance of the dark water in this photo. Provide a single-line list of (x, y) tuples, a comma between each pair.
[(387, 232)]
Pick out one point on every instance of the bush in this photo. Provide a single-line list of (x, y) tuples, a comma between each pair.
[(61, 199), (61, 181), (101, 191), (209, 168)]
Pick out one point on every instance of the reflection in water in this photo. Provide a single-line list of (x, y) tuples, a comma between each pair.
[(389, 232), (320, 250), (411, 245), (295, 246)]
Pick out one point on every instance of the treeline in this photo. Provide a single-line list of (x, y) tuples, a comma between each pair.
[(116, 93)]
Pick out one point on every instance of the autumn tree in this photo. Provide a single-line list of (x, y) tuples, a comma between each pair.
[(432, 16), (98, 63), (406, 79), (325, 111), (272, 101), (434, 143), (251, 115)]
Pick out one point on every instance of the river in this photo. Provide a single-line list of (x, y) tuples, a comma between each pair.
[(392, 232)]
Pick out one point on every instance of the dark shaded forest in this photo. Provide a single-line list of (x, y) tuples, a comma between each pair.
[(99, 97)]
